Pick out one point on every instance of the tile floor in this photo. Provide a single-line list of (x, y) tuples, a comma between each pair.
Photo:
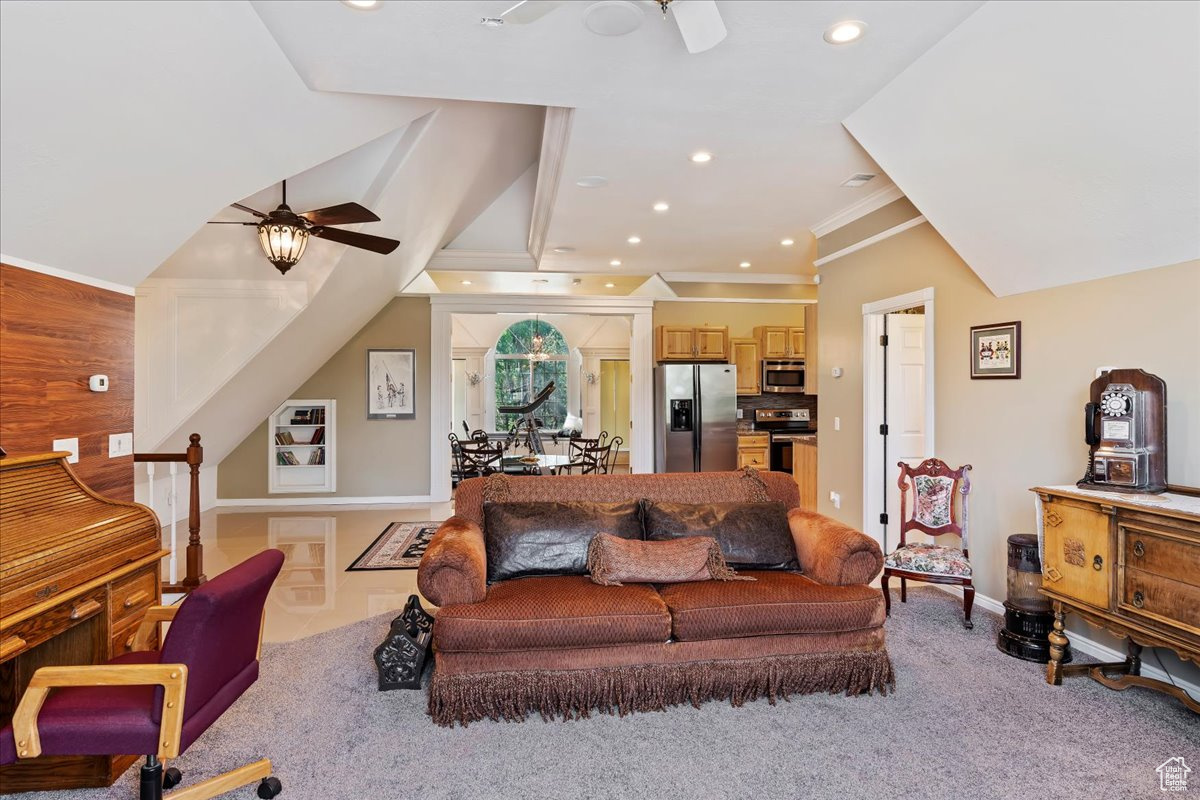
[(314, 593)]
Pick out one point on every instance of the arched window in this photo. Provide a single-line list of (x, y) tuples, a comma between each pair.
[(519, 377)]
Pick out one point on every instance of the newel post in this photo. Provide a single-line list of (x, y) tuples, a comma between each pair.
[(195, 550)]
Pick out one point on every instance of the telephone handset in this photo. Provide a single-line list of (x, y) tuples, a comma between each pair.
[(1091, 415)]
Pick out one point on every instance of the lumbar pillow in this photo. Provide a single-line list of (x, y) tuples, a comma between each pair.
[(612, 561), (525, 539), (751, 535)]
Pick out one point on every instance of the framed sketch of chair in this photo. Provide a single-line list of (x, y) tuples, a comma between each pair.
[(939, 498)]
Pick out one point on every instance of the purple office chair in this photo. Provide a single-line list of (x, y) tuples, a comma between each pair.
[(158, 701)]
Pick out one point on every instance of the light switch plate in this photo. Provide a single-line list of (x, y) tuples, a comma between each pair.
[(836, 499), (120, 444), (71, 445), (837, 423)]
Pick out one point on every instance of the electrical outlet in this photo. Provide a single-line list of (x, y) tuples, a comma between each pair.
[(739, 413), (70, 445), (120, 444), (836, 499), (837, 423)]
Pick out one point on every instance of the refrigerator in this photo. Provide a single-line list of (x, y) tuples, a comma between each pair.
[(695, 418)]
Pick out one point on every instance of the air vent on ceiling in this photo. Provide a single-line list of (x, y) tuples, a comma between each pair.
[(858, 179)]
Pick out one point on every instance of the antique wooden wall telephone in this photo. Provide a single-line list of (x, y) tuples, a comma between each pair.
[(1125, 425)]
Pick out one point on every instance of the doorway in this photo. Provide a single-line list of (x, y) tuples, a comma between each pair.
[(898, 404), (614, 403)]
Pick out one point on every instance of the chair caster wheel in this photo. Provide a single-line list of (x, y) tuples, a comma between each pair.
[(171, 778), (269, 788)]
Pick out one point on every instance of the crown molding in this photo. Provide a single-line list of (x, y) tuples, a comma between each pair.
[(879, 237), (736, 277), (86, 280), (872, 202), (555, 134), (445, 259)]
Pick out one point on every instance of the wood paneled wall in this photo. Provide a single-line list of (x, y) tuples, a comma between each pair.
[(54, 334)]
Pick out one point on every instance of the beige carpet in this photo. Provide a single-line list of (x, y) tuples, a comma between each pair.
[(965, 722)]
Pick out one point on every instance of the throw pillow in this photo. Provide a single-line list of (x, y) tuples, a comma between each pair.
[(612, 561), (525, 539), (751, 535)]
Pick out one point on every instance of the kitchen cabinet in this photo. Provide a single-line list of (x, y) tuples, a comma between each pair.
[(754, 450), (812, 367), (804, 470), (777, 341), (743, 353), (686, 343)]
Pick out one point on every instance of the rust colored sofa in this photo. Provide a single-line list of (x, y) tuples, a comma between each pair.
[(564, 646)]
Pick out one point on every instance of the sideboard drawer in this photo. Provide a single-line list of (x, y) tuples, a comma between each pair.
[(1166, 600), (1077, 558), (1161, 554)]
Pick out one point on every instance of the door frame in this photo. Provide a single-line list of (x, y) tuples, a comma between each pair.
[(874, 497)]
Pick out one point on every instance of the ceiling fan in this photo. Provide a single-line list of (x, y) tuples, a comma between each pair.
[(283, 234), (699, 21)]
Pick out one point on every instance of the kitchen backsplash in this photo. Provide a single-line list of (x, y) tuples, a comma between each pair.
[(776, 400)]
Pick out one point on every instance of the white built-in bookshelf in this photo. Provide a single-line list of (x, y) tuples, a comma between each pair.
[(300, 447)]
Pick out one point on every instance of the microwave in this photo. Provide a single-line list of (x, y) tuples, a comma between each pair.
[(783, 375)]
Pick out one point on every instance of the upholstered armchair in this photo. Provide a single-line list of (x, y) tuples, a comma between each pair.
[(158, 702)]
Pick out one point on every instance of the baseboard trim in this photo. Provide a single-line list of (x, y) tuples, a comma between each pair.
[(1083, 644), (414, 499)]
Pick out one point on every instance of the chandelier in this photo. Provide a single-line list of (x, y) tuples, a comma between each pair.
[(537, 345)]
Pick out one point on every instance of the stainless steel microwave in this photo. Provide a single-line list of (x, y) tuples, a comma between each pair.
[(783, 375)]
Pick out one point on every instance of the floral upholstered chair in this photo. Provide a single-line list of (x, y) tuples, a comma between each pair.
[(935, 489)]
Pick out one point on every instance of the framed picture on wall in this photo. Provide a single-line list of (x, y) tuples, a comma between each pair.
[(996, 350), (391, 391)]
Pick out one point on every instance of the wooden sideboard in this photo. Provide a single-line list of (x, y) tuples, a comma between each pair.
[(1129, 563)]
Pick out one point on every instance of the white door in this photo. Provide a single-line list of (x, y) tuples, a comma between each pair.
[(905, 399)]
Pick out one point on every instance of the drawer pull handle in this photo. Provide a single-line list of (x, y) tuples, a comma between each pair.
[(86, 608), (1139, 600), (1139, 549), (137, 598), (1097, 563), (11, 646), (129, 642)]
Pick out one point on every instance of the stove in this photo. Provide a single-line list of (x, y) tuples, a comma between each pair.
[(786, 426)]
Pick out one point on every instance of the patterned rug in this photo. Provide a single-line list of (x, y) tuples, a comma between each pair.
[(400, 546)]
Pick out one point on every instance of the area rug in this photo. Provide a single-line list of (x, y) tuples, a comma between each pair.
[(965, 721), (400, 546)]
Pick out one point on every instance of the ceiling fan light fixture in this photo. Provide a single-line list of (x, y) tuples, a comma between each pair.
[(282, 243)]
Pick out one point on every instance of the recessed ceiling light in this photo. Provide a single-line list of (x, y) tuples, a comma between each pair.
[(592, 181), (465, 283), (660, 206), (701, 157), (634, 240), (362, 5), (609, 285), (845, 32), (744, 265), (787, 242), (616, 262), (564, 249)]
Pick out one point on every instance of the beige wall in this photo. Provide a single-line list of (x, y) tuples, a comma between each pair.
[(375, 458), (746, 291), (740, 317), (878, 221), (1015, 433)]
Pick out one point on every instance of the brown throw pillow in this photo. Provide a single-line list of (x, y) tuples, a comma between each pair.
[(612, 561), (751, 535)]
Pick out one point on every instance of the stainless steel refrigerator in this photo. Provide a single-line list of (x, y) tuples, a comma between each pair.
[(695, 418)]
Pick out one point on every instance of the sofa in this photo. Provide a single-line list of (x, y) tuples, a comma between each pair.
[(563, 646)]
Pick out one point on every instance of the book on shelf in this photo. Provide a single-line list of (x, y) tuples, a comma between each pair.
[(287, 458), (318, 436), (284, 437)]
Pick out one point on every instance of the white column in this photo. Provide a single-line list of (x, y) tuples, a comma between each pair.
[(641, 393)]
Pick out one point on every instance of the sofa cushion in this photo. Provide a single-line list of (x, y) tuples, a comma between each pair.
[(751, 535), (553, 612), (524, 539), (775, 603), (613, 561)]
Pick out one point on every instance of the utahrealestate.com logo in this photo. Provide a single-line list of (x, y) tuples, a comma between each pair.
[(1173, 774)]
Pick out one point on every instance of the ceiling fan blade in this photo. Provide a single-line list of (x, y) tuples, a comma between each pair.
[(364, 241), (699, 23), (343, 214), (248, 209), (528, 11)]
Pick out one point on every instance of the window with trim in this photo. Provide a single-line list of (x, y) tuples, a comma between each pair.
[(519, 378)]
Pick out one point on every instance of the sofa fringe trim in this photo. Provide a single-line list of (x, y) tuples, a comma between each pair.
[(575, 694)]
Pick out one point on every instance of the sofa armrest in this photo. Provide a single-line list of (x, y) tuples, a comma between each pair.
[(454, 567), (832, 553)]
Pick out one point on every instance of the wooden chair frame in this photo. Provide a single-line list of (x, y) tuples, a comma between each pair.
[(960, 490), (173, 679)]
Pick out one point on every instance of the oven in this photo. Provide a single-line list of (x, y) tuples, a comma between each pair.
[(779, 375), (786, 426)]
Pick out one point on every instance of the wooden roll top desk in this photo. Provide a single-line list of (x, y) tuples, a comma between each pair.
[(1129, 563), (77, 573)]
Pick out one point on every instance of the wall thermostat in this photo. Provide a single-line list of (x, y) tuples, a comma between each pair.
[(836, 372), (98, 383)]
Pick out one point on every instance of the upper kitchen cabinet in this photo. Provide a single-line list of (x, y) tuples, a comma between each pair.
[(684, 343), (781, 342), (743, 353)]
